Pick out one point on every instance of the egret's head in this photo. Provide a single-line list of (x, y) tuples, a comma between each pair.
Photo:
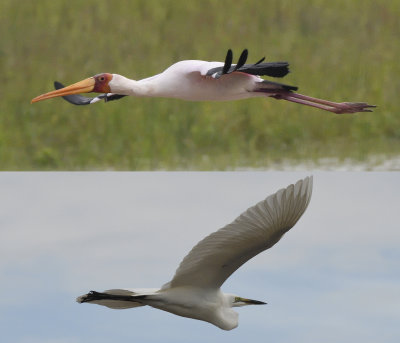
[(237, 301), (99, 83)]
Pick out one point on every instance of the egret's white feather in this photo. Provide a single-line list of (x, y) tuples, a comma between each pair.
[(218, 255)]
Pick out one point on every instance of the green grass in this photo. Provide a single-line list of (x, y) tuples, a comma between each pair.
[(340, 50)]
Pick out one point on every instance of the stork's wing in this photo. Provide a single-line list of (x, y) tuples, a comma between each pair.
[(274, 69), (77, 99), (218, 255)]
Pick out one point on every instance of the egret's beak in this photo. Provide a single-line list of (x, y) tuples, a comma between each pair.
[(253, 302), (243, 301), (84, 86)]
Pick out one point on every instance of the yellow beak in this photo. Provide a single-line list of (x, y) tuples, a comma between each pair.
[(84, 86)]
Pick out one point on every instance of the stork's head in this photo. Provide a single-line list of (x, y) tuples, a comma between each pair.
[(237, 301), (99, 83)]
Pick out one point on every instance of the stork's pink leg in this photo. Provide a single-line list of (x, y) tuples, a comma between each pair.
[(307, 103), (343, 107)]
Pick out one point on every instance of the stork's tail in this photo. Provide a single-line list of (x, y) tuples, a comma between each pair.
[(266, 86), (113, 298)]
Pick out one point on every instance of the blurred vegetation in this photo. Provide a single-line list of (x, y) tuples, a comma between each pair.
[(339, 50)]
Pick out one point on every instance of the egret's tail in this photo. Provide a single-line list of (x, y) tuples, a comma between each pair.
[(113, 298)]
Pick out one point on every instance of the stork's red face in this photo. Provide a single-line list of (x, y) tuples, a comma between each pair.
[(101, 83), (98, 83)]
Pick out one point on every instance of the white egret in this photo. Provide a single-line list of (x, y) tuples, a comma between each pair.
[(194, 291), (196, 80)]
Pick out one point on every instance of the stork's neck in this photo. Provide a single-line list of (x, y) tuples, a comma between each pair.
[(124, 86)]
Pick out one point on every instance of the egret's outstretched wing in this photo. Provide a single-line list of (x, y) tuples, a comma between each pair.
[(274, 69), (78, 99), (218, 255)]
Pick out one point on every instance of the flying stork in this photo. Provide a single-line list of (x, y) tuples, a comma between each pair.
[(196, 80)]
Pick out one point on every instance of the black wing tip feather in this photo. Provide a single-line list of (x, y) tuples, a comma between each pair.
[(290, 88), (273, 69), (242, 60), (259, 61), (74, 99), (228, 61), (58, 85), (267, 86)]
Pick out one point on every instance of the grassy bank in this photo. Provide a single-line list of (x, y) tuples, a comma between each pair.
[(340, 50)]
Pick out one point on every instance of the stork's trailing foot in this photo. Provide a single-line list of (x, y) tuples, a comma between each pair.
[(335, 107)]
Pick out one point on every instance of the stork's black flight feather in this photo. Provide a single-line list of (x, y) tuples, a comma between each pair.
[(228, 62), (274, 69), (242, 60)]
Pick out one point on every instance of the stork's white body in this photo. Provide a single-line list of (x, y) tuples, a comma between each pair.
[(187, 80)]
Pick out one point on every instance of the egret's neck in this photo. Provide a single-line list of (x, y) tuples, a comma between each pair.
[(124, 86)]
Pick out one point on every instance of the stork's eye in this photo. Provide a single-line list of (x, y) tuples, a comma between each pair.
[(101, 78)]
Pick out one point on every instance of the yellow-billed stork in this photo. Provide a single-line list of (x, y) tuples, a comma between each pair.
[(196, 80)]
